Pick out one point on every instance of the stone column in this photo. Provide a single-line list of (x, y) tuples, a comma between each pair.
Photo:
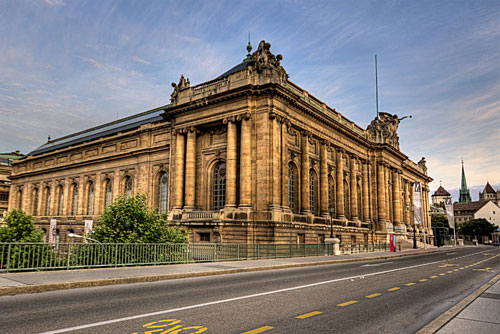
[(396, 198), (284, 166), (97, 195), (53, 200), (354, 189), (366, 199), (387, 197), (231, 163), (275, 160), (246, 162), (179, 171), (304, 172), (381, 204), (405, 204), (340, 184), (67, 197), (323, 178), (81, 207), (190, 173)]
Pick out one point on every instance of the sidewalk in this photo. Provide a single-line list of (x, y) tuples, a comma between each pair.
[(31, 282), (480, 316)]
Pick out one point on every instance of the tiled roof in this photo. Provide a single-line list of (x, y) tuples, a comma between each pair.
[(488, 189), (441, 192), (124, 124), (469, 206)]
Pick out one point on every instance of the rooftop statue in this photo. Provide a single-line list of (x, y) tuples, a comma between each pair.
[(183, 84), (263, 60), (383, 129)]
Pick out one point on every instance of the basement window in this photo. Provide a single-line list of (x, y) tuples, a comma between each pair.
[(204, 236)]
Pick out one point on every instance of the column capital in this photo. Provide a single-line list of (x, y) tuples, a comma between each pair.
[(339, 150), (245, 116), (306, 133), (229, 119), (278, 117)]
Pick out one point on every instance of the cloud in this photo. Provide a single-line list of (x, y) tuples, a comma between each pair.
[(140, 60), (54, 3)]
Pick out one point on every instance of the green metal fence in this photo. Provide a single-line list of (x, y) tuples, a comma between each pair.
[(43, 256)]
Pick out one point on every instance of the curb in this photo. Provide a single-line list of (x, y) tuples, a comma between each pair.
[(143, 279), (447, 316)]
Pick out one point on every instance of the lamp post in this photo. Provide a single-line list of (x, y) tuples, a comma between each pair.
[(408, 206), (73, 235), (331, 210)]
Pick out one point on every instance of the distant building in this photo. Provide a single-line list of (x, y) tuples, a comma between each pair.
[(464, 191), (489, 194), (6, 160), (439, 196), (474, 210)]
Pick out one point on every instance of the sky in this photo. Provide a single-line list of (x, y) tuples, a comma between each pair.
[(66, 66)]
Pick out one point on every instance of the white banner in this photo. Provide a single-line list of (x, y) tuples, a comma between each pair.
[(449, 212), (88, 228), (417, 203), (52, 231)]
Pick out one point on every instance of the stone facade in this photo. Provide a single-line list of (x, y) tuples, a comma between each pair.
[(6, 160), (250, 158)]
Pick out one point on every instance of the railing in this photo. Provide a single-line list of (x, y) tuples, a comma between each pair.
[(43, 256), (200, 215)]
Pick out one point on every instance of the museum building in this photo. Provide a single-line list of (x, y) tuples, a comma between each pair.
[(248, 157)]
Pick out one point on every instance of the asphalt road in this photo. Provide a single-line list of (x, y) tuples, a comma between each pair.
[(399, 295)]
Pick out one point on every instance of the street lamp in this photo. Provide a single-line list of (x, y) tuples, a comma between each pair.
[(408, 206), (73, 235), (331, 210)]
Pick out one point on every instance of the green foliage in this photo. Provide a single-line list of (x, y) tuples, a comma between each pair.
[(129, 220), (439, 221), (20, 227), (476, 227)]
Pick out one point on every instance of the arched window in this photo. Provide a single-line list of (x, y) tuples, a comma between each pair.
[(74, 204), (47, 201), (90, 198), (313, 189), (163, 193), (219, 186), (60, 200), (20, 199), (108, 192), (331, 192), (35, 202), (360, 200), (128, 186), (292, 188), (347, 207)]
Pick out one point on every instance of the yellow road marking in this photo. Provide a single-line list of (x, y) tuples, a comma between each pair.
[(434, 276), (442, 274), (347, 303), (449, 272), (455, 269), (259, 330), (393, 289), (423, 280), (461, 268), (307, 315), (373, 295), (410, 284)]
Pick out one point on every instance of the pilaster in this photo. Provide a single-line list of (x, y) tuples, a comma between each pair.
[(304, 172), (340, 184), (354, 188), (190, 172), (323, 178), (365, 194), (246, 162), (231, 163)]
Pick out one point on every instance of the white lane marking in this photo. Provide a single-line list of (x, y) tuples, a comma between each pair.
[(375, 264), (138, 316), (451, 253)]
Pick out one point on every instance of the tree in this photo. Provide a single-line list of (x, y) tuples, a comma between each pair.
[(476, 228), (439, 221), (130, 220), (20, 227)]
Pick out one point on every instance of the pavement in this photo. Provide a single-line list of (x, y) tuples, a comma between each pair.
[(478, 313)]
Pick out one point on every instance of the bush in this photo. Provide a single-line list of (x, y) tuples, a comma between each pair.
[(20, 227), (130, 220)]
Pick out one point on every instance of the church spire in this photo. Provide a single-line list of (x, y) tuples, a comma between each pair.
[(464, 191)]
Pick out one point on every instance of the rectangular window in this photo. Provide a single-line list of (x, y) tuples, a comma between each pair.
[(301, 238), (204, 236), (5, 197)]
